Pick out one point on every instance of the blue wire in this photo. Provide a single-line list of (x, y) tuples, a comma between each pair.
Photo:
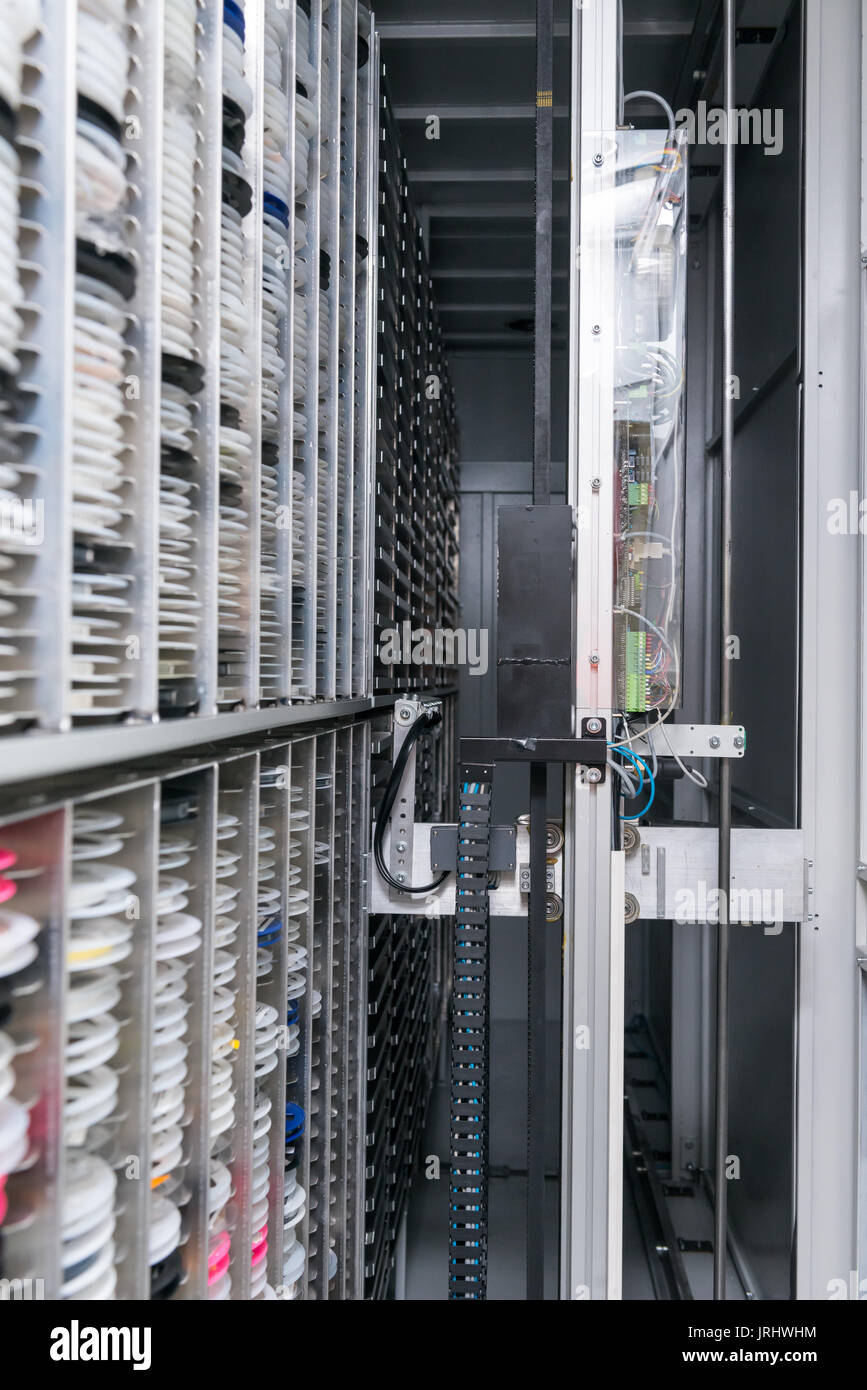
[(639, 763)]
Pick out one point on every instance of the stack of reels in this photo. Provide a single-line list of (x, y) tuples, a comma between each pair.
[(224, 1053), (182, 370), (20, 523), (276, 259), (236, 382), (103, 457), (294, 1194), (178, 940), (302, 483), (267, 1022), (324, 479), (18, 950), (100, 938)]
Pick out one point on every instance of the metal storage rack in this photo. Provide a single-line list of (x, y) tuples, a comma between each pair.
[(416, 536), (225, 797), (408, 964)]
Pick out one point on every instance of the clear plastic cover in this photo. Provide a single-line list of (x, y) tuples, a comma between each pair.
[(649, 418)]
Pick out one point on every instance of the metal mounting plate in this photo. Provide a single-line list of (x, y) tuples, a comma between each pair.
[(695, 741)]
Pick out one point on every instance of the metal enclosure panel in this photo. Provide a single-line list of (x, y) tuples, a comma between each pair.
[(534, 647), (828, 983)]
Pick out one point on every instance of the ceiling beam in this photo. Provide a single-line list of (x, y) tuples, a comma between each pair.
[(488, 274), (481, 175), (460, 29), (391, 30), (525, 309), (442, 211), (525, 112)]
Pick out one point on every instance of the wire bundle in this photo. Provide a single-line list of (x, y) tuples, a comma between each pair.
[(182, 373), (236, 381), (104, 284), (100, 937)]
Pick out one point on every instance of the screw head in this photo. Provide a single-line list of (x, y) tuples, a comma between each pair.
[(739, 742), (594, 775), (714, 742), (594, 726), (599, 160), (401, 848), (404, 714), (597, 329), (401, 878), (594, 658), (596, 484)]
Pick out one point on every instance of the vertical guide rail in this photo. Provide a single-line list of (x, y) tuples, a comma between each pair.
[(725, 782), (591, 1194), (536, 946)]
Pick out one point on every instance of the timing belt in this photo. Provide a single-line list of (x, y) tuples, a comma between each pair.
[(470, 1025)]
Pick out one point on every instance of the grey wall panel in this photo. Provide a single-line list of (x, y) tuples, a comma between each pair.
[(762, 1101), (767, 469), (765, 604), (767, 227)]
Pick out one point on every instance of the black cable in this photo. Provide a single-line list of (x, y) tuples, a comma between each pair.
[(428, 720)]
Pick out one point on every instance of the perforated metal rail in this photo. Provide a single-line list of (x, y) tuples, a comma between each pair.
[(468, 1180)]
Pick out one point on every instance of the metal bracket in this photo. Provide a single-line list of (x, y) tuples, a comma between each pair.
[(677, 880), (695, 741), (400, 833), (507, 899), (444, 848), (525, 878), (590, 750)]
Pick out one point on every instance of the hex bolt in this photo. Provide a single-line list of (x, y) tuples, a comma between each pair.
[(714, 742), (594, 726), (594, 658), (739, 742), (594, 775), (599, 160)]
